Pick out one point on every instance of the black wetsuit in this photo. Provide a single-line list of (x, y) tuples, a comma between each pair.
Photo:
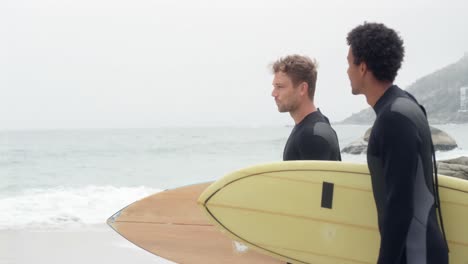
[(399, 157), (312, 139)]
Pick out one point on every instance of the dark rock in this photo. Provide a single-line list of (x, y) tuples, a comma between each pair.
[(442, 142), (356, 147), (455, 167)]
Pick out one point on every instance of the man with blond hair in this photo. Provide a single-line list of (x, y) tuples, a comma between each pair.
[(312, 137)]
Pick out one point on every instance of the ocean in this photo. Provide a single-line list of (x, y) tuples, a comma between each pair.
[(58, 187)]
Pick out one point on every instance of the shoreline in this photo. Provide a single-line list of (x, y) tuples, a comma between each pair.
[(89, 244)]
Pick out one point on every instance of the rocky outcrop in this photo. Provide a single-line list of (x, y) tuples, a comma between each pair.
[(438, 92), (442, 141)]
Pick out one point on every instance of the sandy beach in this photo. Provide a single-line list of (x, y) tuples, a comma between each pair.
[(98, 244)]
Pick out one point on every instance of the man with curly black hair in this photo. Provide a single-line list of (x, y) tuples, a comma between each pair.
[(400, 153)]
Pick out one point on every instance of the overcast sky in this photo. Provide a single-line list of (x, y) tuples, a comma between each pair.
[(150, 63)]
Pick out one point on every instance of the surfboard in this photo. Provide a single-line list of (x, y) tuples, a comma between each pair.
[(317, 211), (171, 225)]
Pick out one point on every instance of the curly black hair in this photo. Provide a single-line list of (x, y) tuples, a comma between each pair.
[(380, 47)]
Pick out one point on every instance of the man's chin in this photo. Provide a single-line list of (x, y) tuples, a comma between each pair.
[(354, 92), (282, 109)]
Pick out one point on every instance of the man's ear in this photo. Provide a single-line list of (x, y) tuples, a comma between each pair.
[(304, 88), (362, 68)]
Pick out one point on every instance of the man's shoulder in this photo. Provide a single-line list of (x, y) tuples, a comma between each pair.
[(317, 131), (402, 108), (403, 118)]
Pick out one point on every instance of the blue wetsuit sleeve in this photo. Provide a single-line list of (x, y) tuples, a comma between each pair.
[(399, 143), (314, 147)]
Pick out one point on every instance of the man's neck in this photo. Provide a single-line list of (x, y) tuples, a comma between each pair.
[(377, 90), (302, 112)]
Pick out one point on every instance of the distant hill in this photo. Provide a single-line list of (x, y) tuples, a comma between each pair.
[(438, 92)]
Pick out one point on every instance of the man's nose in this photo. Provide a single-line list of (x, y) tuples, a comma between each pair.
[(273, 92)]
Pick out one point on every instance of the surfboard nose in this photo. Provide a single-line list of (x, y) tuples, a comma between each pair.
[(111, 220)]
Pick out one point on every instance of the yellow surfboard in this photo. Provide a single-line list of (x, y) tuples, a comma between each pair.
[(319, 212)]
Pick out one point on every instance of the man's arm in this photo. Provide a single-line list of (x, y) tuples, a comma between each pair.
[(400, 156)]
